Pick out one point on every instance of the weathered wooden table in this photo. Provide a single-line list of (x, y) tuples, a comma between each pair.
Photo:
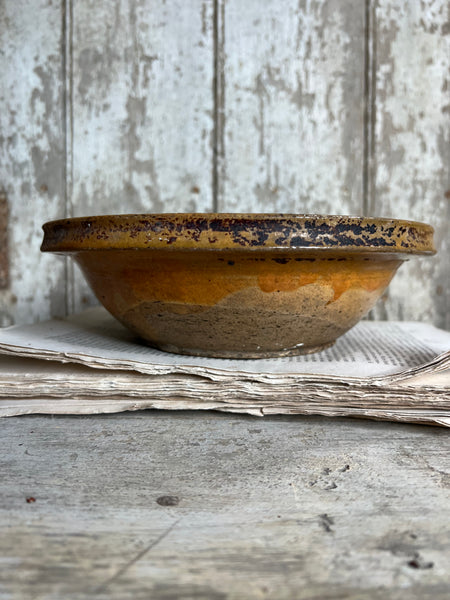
[(163, 505)]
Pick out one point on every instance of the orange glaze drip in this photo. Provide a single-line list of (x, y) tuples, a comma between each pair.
[(339, 281), (281, 283), (367, 281)]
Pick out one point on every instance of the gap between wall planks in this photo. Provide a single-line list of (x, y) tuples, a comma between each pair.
[(247, 106), (4, 245)]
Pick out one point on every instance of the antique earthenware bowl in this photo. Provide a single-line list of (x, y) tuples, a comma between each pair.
[(238, 285)]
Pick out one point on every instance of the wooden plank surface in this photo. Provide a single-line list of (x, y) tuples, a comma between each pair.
[(142, 109), (292, 97), (411, 152), (203, 505), (31, 156)]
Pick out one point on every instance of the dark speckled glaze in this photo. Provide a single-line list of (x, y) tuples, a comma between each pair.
[(230, 285)]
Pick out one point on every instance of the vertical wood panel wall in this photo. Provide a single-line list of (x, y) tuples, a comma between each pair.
[(32, 155), (293, 104), (326, 106), (141, 122), (410, 153)]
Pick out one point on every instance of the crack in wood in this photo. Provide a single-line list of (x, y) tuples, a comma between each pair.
[(103, 586)]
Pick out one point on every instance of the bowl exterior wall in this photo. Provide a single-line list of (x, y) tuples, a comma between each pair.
[(237, 304)]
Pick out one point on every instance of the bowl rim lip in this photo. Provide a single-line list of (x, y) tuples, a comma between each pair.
[(59, 234)]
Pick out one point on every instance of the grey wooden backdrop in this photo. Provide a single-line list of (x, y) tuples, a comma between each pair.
[(333, 106)]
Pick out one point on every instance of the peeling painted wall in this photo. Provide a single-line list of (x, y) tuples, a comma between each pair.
[(411, 146), (220, 105), (293, 106), (32, 155)]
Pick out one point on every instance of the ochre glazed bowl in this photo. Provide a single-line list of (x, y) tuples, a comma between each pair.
[(234, 285)]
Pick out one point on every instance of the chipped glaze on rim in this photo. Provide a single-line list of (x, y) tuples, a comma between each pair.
[(236, 232)]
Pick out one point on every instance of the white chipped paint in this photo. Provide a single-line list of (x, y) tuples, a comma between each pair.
[(293, 134), (412, 151), (142, 106), (31, 155)]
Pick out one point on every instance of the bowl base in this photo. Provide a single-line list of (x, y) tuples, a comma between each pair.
[(233, 354)]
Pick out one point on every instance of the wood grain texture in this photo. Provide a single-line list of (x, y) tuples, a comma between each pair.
[(142, 109), (293, 104), (273, 507), (411, 147), (31, 155)]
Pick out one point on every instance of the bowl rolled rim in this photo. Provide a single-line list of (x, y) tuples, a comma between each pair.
[(238, 231)]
